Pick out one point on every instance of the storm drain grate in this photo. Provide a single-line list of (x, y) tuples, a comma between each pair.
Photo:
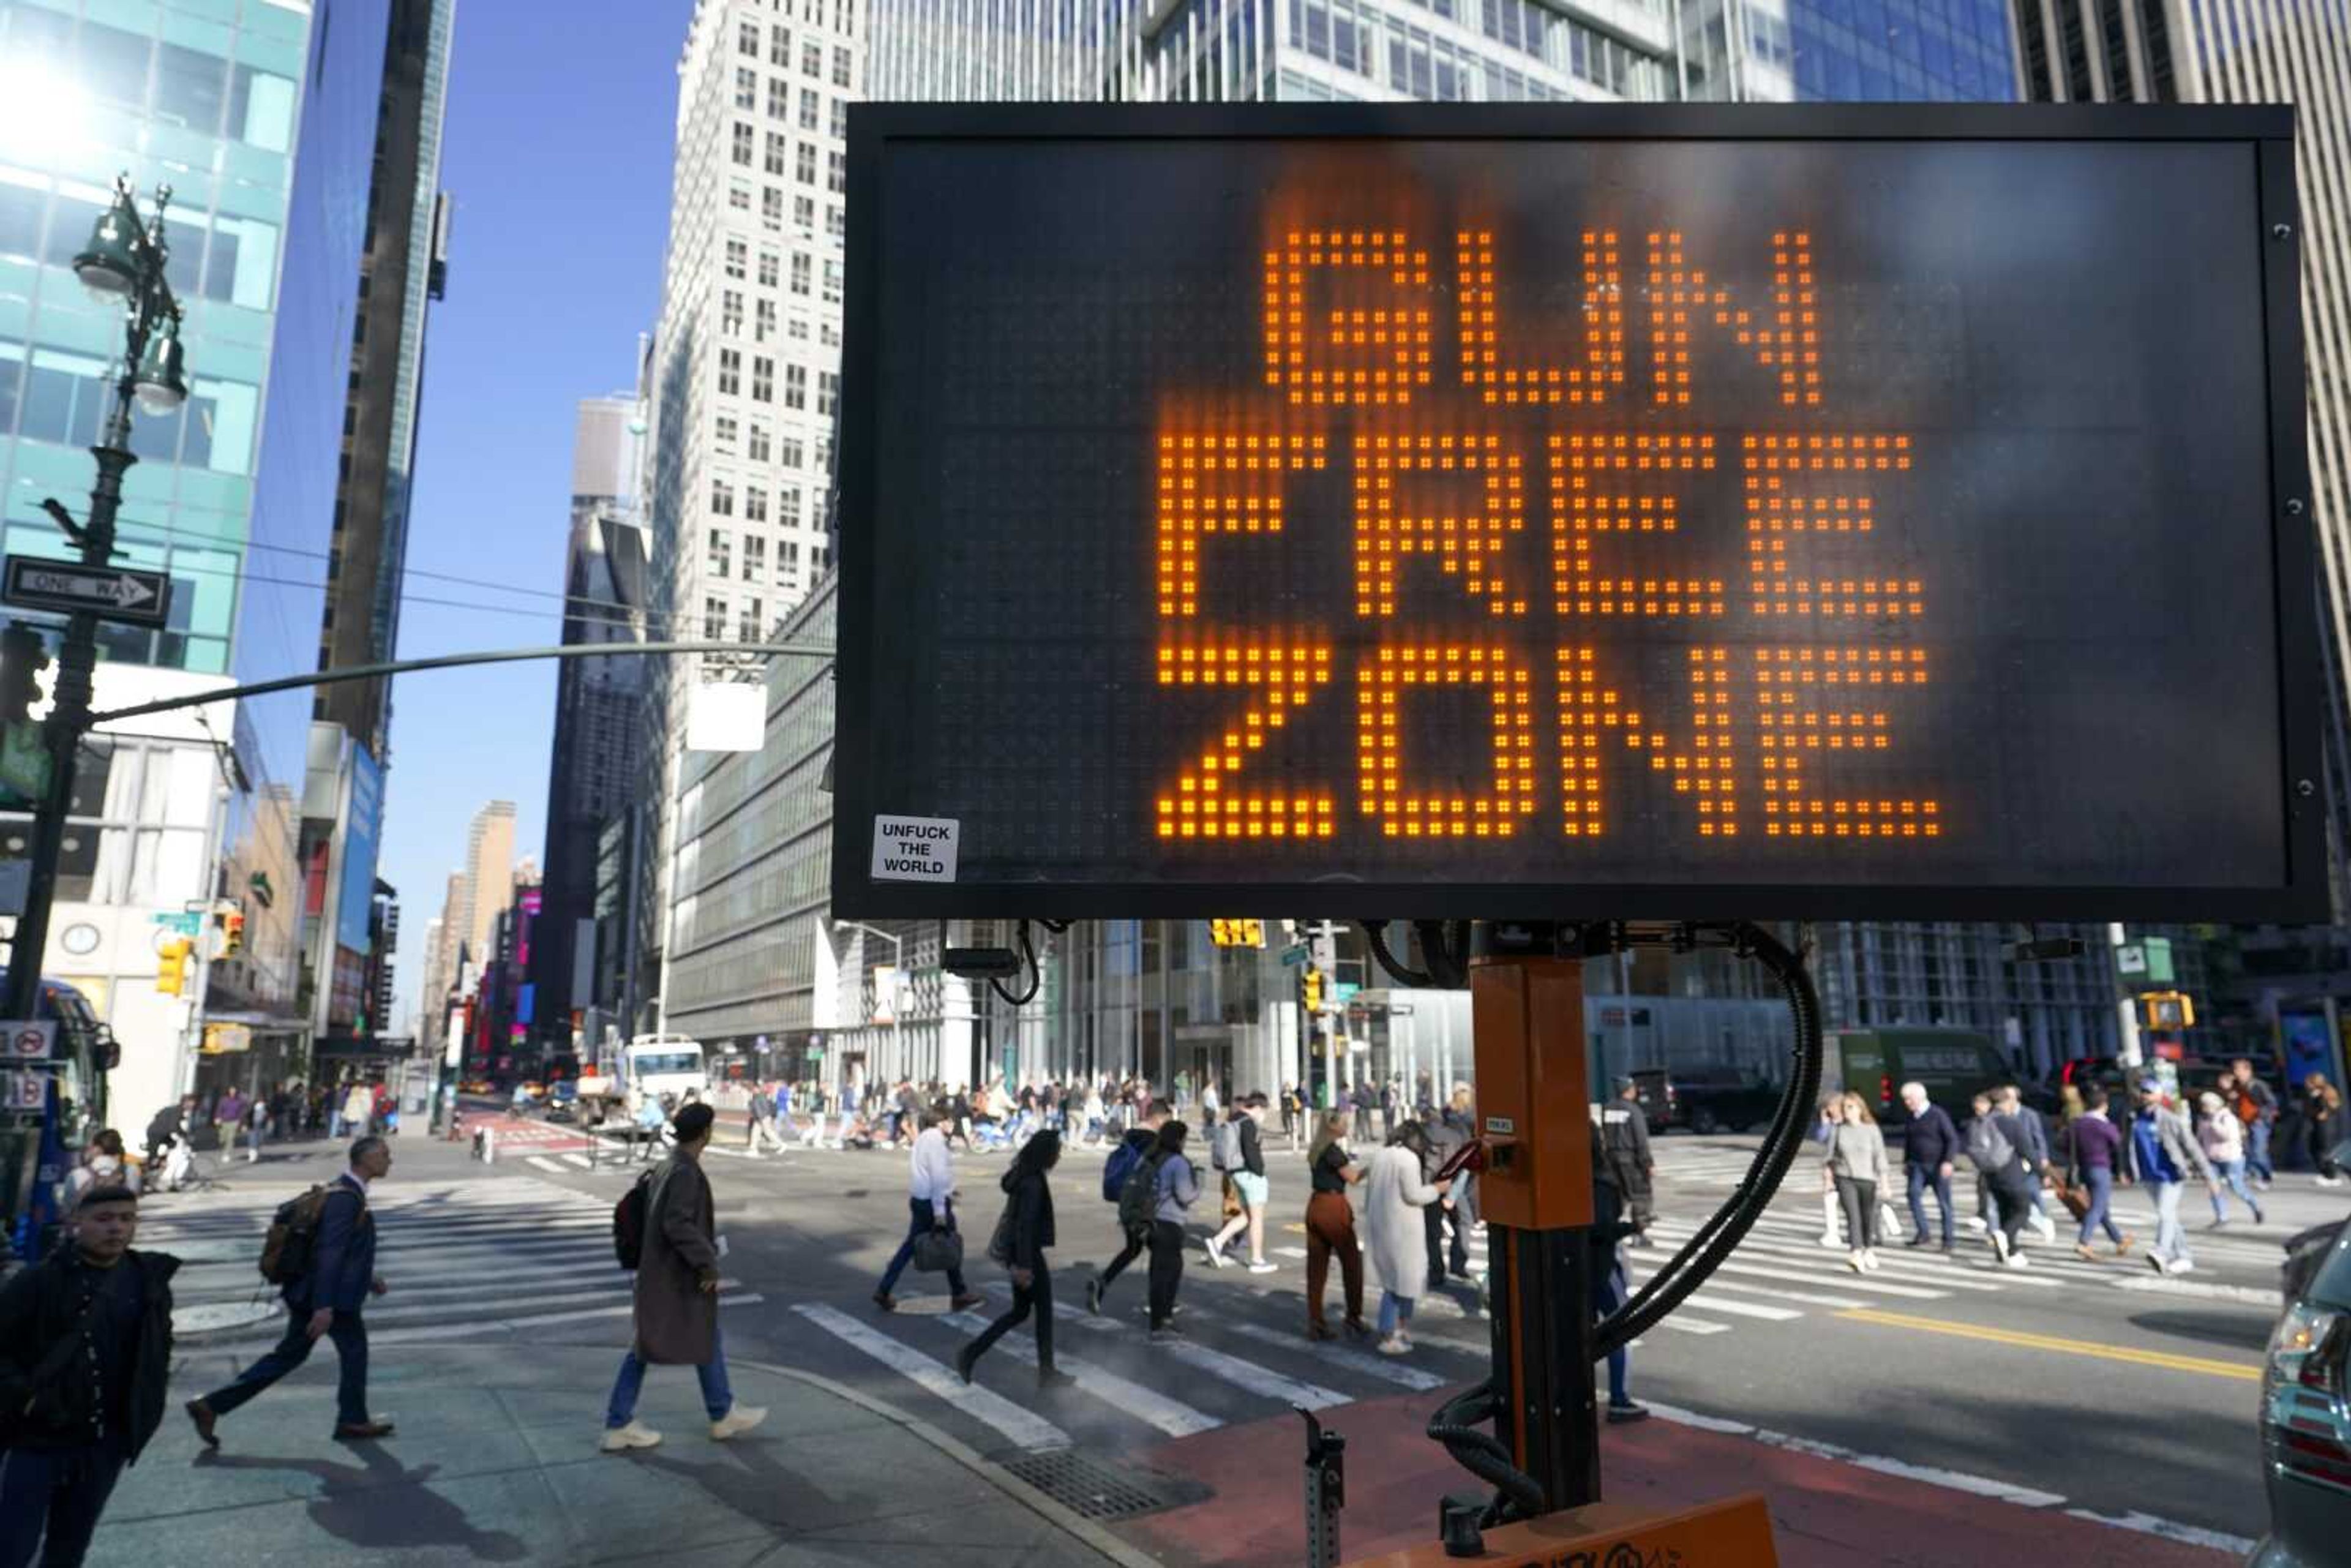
[(1095, 1491)]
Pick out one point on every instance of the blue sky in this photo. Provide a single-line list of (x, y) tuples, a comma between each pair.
[(557, 152)]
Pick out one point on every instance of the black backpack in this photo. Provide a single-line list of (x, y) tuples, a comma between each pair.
[(629, 1222), (1138, 1200)]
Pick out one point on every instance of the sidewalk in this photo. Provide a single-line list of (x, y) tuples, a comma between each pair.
[(1826, 1513), (496, 1461)]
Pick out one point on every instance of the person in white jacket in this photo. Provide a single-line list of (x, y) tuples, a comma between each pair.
[(1856, 1165), (1394, 1237)]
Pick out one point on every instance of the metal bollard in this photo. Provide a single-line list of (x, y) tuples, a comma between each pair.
[(1326, 1490)]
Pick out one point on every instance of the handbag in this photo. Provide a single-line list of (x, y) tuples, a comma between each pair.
[(999, 1245), (938, 1250)]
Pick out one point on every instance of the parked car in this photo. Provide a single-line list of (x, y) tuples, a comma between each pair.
[(1706, 1099), (2307, 1405)]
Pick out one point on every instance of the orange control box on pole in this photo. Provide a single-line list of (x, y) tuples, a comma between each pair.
[(1533, 1099)]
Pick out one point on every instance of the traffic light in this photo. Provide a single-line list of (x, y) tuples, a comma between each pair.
[(23, 657), (231, 922), (171, 968), (1314, 990), (1236, 933)]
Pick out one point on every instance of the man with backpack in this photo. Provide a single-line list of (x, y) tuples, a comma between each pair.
[(1237, 1146), (1996, 1148), (324, 1292), (1120, 1172), (85, 1349), (674, 1310)]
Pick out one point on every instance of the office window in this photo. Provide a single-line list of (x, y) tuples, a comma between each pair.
[(777, 144), (832, 335), (755, 558), (836, 220), (805, 171), (803, 271), (755, 504), (730, 313), (767, 269), (787, 504), (720, 556), (832, 281), (724, 431), (738, 196), (780, 46), (763, 379), (743, 142), (795, 386), (754, 623), (763, 325), (713, 619), (840, 66), (840, 116), (828, 392), (759, 445), (836, 173), (800, 327), (804, 211), (730, 371), (746, 39), (722, 498), (737, 257), (747, 87), (811, 60), (812, 107), (788, 553), (794, 455), (780, 98)]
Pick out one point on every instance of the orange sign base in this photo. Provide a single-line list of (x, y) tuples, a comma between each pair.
[(1733, 1534)]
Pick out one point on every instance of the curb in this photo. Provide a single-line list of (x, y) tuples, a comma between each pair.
[(1110, 1548)]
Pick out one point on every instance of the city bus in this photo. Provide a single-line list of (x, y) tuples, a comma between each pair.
[(38, 1148)]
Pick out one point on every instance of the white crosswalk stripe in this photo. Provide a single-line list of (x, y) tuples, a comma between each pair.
[(1172, 1417), (504, 1255), (1025, 1428)]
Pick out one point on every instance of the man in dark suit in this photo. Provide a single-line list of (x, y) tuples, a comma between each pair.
[(324, 1300)]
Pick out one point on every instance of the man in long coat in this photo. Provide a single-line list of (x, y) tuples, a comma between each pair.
[(676, 1306)]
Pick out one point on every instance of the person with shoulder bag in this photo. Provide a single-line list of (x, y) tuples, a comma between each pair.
[(1023, 1235), (930, 1205), (85, 1349), (2093, 1150), (673, 1309)]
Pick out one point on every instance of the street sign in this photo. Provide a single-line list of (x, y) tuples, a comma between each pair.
[(186, 923), (1549, 512), (23, 1091), (1344, 992), (21, 1041), (115, 593), (1296, 953)]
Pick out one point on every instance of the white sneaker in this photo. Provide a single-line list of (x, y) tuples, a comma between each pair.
[(2330, 1181), (1852, 1261), (1216, 1253), (1261, 1266), (1394, 1344), (1832, 1240), (2045, 1227), (1870, 1260), (1999, 1244), (2017, 1261), (2160, 1265), (1975, 1222), (619, 1440), (2181, 1266), (739, 1419)]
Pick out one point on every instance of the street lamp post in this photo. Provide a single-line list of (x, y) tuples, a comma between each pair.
[(124, 260), (898, 969)]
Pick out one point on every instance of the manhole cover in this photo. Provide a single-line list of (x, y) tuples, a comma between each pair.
[(1096, 1490), (212, 1317)]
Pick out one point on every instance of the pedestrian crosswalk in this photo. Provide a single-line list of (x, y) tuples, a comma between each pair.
[(461, 1258)]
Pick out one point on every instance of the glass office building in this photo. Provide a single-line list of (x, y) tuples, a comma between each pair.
[(262, 120)]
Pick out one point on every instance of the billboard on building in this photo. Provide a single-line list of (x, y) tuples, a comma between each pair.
[(1549, 511), (362, 829)]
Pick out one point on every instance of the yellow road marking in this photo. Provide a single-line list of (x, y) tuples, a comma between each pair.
[(2063, 1346)]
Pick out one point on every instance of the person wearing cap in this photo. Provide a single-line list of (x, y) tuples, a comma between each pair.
[(85, 1349), (2163, 1154), (1624, 1142), (675, 1313)]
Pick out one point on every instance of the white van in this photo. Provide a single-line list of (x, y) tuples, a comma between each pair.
[(664, 1064)]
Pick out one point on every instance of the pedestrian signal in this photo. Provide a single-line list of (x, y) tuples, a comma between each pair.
[(23, 657), (2167, 1010), (171, 970), (1314, 990), (1236, 933)]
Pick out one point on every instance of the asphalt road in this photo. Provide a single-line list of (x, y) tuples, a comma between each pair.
[(2130, 1395)]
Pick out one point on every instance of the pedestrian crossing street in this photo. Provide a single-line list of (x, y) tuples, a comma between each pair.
[(461, 1258)]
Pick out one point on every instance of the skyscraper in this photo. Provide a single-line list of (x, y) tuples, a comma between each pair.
[(268, 122), (489, 875), (599, 751)]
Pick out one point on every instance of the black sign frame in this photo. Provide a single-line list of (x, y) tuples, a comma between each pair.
[(864, 648), (156, 615)]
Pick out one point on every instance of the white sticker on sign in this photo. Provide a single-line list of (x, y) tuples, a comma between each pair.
[(914, 849)]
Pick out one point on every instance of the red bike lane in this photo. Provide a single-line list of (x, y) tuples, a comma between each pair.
[(1827, 1512)]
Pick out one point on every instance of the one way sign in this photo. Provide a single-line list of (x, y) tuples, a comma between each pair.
[(117, 594)]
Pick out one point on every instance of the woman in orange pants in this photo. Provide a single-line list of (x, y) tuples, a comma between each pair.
[(1330, 1228)]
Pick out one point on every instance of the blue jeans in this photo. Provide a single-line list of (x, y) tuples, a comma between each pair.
[(1607, 1295), (1918, 1175), (2257, 1150), (2100, 1180), (919, 1221), (717, 1398), (2170, 1240), (1393, 1309), (50, 1499), (2232, 1175), (349, 1335)]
